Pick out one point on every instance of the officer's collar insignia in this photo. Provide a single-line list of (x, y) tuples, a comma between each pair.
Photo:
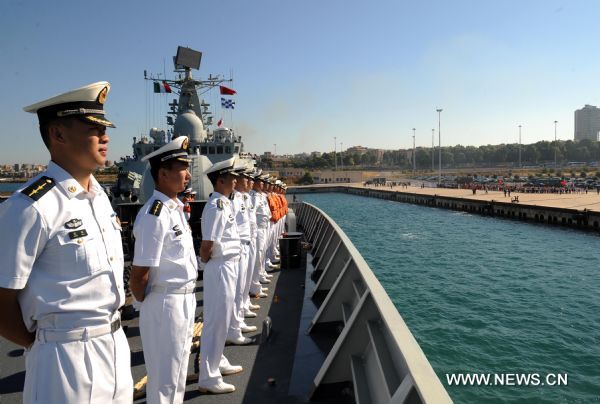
[(156, 208), (220, 204), (39, 188), (73, 223), (102, 95), (72, 189), (78, 234)]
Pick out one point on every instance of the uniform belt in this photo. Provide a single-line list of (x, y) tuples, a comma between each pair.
[(80, 334), (175, 290)]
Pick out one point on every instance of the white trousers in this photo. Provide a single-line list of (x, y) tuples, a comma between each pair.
[(94, 371), (250, 273), (166, 328), (219, 282), (237, 315), (259, 262)]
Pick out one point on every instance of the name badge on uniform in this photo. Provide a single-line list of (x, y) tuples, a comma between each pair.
[(77, 234), (73, 224), (177, 230)]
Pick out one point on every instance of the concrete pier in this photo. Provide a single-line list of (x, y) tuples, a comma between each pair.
[(577, 210)]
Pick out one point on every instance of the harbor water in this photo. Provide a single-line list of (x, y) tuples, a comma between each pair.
[(484, 296)]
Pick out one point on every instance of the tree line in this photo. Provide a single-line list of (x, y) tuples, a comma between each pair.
[(535, 154)]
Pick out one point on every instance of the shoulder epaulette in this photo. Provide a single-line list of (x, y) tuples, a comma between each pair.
[(39, 188), (220, 204), (245, 197), (156, 208), (231, 196)]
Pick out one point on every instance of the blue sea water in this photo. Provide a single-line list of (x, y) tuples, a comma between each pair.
[(10, 187), (484, 295)]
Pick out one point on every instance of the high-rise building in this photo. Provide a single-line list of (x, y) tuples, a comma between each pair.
[(587, 123)]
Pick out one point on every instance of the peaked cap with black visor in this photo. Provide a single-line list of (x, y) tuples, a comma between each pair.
[(85, 103)]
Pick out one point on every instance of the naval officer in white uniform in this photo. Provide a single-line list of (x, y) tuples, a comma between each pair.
[(164, 275), (219, 255), (61, 262), (240, 202)]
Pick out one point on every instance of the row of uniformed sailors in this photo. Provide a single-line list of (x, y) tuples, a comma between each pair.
[(242, 231), (61, 266)]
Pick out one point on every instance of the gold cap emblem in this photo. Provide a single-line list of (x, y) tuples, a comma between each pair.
[(102, 95), (184, 144)]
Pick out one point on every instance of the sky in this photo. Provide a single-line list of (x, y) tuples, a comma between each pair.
[(306, 72)]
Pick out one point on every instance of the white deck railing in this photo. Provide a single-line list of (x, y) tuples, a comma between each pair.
[(375, 351)]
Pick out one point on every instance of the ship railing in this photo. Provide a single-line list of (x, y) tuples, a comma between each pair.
[(375, 351)]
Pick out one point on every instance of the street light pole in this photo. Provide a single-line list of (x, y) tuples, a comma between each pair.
[(520, 166), (414, 153), (432, 150), (342, 155), (555, 144), (439, 111), (274, 149), (335, 151)]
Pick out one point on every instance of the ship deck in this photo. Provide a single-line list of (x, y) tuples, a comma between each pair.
[(285, 354)]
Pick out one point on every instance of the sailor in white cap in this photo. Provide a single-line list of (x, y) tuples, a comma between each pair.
[(164, 275), (247, 305), (219, 255), (263, 215), (240, 202), (61, 262)]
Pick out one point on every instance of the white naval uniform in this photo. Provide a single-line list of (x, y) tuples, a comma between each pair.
[(63, 252), (252, 252), (219, 281), (263, 215), (163, 242), (240, 211)]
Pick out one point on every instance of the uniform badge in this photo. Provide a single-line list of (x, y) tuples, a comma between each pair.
[(73, 223), (177, 230), (220, 204), (245, 196), (77, 234), (102, 95)]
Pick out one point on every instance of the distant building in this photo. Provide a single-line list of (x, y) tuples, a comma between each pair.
[(291, 172), (356, 150), (587, 123), (330, 176)]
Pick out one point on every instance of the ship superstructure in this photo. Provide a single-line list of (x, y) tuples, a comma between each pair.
[(189, 116)]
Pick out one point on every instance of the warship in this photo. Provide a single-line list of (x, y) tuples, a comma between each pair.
[(189, 116), (327, 331)]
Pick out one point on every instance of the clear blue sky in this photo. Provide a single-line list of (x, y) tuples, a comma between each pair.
[(306, 71)]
